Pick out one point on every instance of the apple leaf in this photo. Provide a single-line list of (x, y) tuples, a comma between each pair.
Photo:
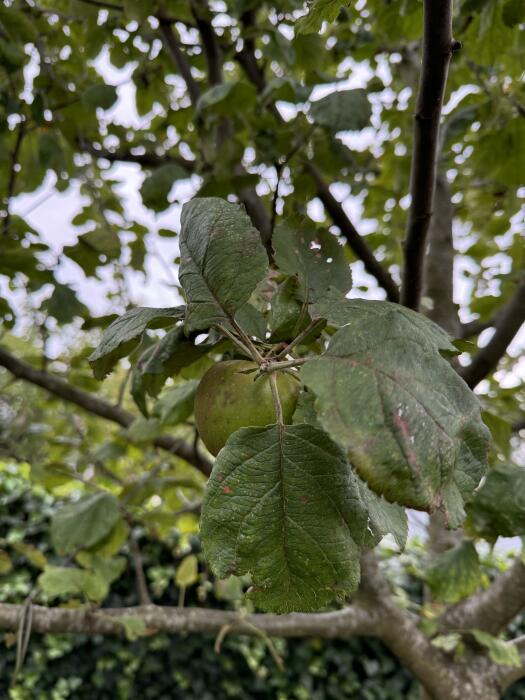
[(283, 504), (411, 426), (66, 581), (501, 652), (85, 523), (124, 334), (319, 11), (455, 574), (343, 110), (217, 241), (498, 506), (314, 256)]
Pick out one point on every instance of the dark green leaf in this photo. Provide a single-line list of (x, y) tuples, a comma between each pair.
[(157, 186), (123, 335), (101, 95), (217, 239), (498, 507), (319, 11), (283, 505), (344, 110), (314, 256), (64, 305)]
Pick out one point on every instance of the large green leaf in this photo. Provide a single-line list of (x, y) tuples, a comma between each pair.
[(314, 256), (82, 524), (222, 260), (455, 574), (124, 334), (343, 110), (498, 507), (283, 505), (410, 425)]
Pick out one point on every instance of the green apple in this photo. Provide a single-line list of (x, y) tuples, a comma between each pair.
[(228, 399)]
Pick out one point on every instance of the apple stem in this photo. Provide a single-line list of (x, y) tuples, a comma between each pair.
[(276, 400), (235, 340), (248, 342)]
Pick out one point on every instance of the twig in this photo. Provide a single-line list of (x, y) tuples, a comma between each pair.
[(508, 323), (11, 183), (140, 577), (234, 339), (248, 342), (179, 59), (276, 400), (298, 340), (438, 47)]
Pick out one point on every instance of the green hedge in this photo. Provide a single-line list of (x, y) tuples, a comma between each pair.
[(160, 667)]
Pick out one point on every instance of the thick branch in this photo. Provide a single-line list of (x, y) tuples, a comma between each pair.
[(437, 50), (59, 387), (212, 49), (352, 237), (354, 620), (493, 609), (508, 323)]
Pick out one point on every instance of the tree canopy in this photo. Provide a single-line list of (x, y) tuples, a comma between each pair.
[(352, 191)]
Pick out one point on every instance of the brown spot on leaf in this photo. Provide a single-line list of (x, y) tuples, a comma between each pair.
[(303, 499), (226, 489)]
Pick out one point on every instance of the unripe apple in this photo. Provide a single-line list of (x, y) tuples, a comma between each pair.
[(228, 399)]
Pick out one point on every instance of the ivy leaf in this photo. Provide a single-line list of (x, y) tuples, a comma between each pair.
[(314, 256), (283, 505), (501, 652), (82, 524), (216, 240), (56, 581), (124, 334), (343, 110), (455, 574), (498, 507), (410, 425), (157, 186), (319, 11)]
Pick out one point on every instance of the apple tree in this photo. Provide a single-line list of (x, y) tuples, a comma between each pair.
[(327, 201)]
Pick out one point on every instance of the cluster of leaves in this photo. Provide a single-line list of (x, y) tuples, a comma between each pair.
[(284, 503)]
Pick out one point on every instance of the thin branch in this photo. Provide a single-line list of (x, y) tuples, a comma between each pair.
[(508, 323), (93, 404), (179, 59), (148, 160), (345, 623), (297, 340), (438, 47), (140, 577), (11, 183), (212, 49), (356, 242)]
